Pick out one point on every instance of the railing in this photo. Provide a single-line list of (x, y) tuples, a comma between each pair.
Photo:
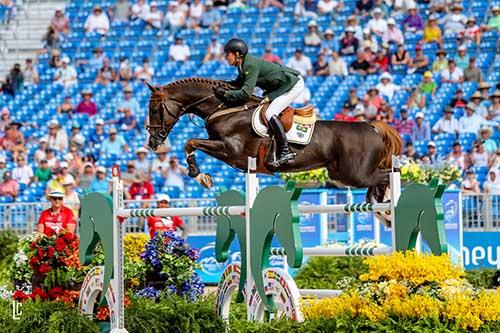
[(479, 213)]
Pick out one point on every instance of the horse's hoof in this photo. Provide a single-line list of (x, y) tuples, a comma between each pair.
[(205, 180)]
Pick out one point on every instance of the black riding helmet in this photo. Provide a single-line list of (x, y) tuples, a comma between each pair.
[(236, 45)]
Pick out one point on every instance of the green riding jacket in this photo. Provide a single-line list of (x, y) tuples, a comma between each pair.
[(273, 78)]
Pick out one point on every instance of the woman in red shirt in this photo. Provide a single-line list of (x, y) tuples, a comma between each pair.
[(141, 188), (163, 224), (57, 217)]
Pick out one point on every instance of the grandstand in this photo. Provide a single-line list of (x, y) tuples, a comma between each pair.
[(267, 27)]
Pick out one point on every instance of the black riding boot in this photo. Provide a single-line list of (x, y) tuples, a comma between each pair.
[(284, 153)]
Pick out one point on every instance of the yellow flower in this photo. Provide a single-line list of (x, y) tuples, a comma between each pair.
[(134, 244)]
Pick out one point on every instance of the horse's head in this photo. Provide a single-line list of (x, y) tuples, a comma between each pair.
[(163, 114)]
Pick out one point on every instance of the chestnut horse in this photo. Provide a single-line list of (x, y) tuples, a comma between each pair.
[(357, 154)]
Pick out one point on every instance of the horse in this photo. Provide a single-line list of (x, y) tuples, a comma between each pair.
[(356, 154)]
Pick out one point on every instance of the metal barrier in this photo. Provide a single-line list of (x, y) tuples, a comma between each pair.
[(481, 212)]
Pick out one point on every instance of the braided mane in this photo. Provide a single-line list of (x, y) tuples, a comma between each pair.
[(200, 80)]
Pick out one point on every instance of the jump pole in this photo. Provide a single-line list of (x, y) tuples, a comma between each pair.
[(251, 189)]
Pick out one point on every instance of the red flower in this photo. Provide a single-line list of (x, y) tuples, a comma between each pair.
[(51, 251), (18, 295), (60, 244), (44, 268), (32, 245), (41, 254), (102, 313), (55, 293), (49, 232), (38, 292), (69, 237)]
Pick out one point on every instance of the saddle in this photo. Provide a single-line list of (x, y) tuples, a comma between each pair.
[(304, 115)]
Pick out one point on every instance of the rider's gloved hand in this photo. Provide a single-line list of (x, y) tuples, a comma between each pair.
[(220, 93)]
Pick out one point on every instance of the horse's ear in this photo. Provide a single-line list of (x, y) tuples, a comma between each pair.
[(150, 86)]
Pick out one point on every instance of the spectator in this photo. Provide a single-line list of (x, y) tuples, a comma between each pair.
[(155, 17), (454, 22), (97, 21), (98, 136), (452, 74), (5, 119), (386, 87), (470, 122), (238, 4), (484, 89), (438, 6), (404, 125), (141, 188), (272, 3), (492, 183), (360, 65), (321, 66), (179, 51), (329, 43), (120, 11), (479, 157), (270, 56), (95, 63), (22, 173), (440, 63), (14, 82), (458, 101), (472, 73), (381, 61), (87, 106), (410, 152), (87, 177), (385, 113), (305, 8), (428, 86), (128, 101), (481, 110), (8, 186), (359, 114), (140, 10), (420, 63), (124, 71), (393, 34), (432, 155), (160, 164), (446, 124), (40, 152), (13, 140), (344, 114), (494, 22), (164, 224), (364, 7), (71, 197), (100, 183), (352, 99), (128, 121), (55, 59), (66, 107), (413, 22), (472, 32), (77, 141), (56, 138), (337, 66), (75, 132), (352, 24), (432, 32), (470, 185), (195, 13), (142, 164), (369, 41), (56, 183), (56, 218), (457, 157), (114, 144), (51, 40), (215, 51), (175, 18), (66, 75), (494, 110), (51, 158), (60, 22), (175, 173), (313, 36), (377, 24), (421, 129), (462, 58), (369, 110), (349, 44), (106, 74), (300, 63), (495, 160), (128, 177), (401, 57), (30, 74), (489, 144), (328, 7), (144, 72), (374, 97), (43, 173)]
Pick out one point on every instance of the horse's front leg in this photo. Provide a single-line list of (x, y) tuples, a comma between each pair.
[(213, 148)]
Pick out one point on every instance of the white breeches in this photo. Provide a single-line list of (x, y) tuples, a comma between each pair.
[(280, 103)]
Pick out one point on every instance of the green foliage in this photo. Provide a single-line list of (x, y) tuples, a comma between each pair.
[(481, 278), (318, 175), (172, 314), (330, 272), (8, 243), (44, 317)]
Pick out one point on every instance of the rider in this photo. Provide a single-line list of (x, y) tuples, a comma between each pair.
[(280, 84)]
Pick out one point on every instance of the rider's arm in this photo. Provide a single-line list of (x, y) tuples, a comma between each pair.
[(252, 73)]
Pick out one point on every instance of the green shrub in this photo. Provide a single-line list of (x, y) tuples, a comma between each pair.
[(481, 278)]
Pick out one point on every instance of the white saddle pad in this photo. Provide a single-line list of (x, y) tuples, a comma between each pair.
[(298, 133)]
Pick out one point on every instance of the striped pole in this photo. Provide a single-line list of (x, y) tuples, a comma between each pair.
[(345, 208), (340, 251), (187, 211)]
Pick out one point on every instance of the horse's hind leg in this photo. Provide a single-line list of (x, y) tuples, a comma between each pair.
[(379, 192), (213, 148)]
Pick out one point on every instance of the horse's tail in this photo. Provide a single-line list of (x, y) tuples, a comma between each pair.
[(393, 145)]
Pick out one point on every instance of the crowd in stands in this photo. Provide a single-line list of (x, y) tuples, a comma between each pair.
[(372, 42)]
